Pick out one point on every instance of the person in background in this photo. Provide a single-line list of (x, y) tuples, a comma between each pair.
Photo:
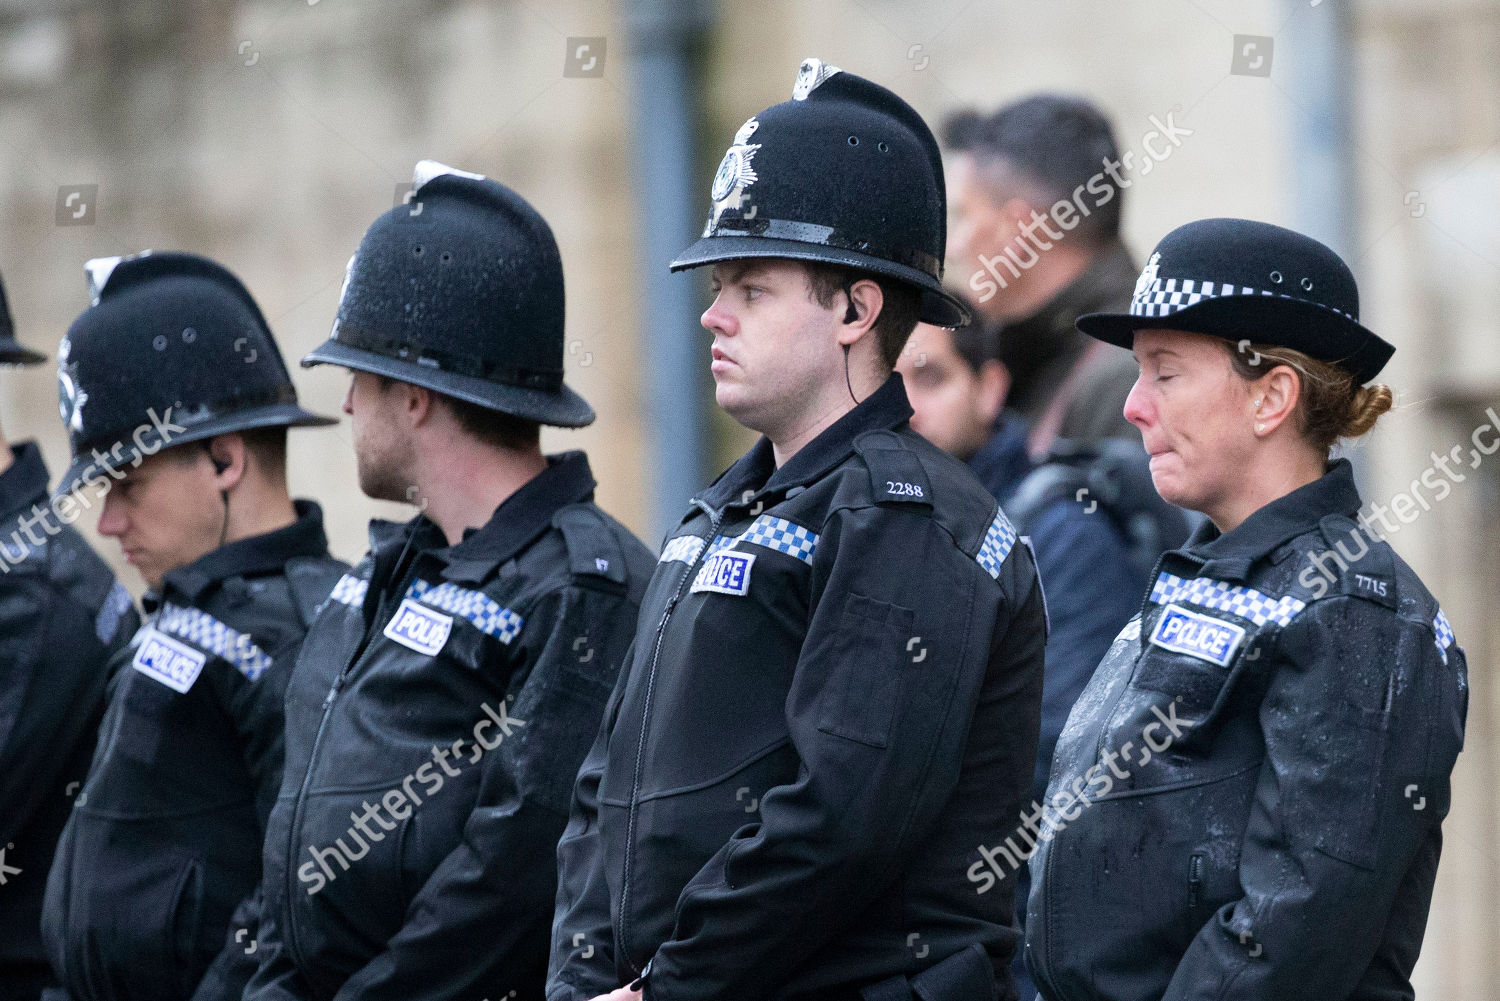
[(957, 389), (62, 617), (1036, 192)]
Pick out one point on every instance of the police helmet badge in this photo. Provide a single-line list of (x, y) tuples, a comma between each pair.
[(70, 398), (735, 173), (1147, 281)]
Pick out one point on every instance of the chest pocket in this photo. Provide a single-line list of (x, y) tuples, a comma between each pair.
[(871, 665)]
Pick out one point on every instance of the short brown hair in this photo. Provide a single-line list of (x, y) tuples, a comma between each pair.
[(490, 426), (1330, 406), (898, 316), (264, 447), (495, 428)]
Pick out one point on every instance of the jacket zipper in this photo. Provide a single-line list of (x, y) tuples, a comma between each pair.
[(1042, 967), (290, 933), (1115, 702), (1195, 887), (715, 519), (1041, 964)]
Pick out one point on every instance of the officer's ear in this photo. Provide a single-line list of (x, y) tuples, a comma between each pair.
[(417, 404), (863, 302), (1273, 398), (228, 455)]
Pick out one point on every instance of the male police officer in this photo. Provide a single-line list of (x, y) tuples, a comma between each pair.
[(177, 404), (833, 698), (448, 692), (62, 615)]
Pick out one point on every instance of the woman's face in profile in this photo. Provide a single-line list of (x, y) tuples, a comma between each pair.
[(1195, 414)]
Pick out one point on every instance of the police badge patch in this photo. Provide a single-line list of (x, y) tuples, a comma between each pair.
[(725, 572), (1197, 635), (420, 629), (163, 659)]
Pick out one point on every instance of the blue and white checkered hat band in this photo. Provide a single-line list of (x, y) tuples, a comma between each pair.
[(209, 634), (484, 612), (1246, 602), (999, 540), (1443, 634), (350, 590), (1165, 296)]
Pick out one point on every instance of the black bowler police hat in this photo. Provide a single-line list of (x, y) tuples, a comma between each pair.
[(12, 351), (1244, 280), (172, 335), (845, 172), (460, 291)]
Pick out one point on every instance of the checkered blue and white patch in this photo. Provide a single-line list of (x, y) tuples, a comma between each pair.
[(683, 549), (1246, 602), (778, 534), (208, 633), (484, 612), (1442, 634), (1165, 296), (350, 590), (999, 540)]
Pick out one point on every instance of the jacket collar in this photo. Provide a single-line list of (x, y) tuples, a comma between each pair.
[(885, 409), (1229, 555), (515, 524), (246, 557), (24, 484)]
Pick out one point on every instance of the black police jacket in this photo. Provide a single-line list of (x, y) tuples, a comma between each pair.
[(1247, 798), (164, 841), (435, 723), (832, 702), (62, 615)]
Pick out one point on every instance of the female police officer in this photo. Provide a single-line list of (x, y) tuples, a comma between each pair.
[(1247, 798)]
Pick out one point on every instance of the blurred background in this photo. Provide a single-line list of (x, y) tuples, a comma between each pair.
[(269, 134)]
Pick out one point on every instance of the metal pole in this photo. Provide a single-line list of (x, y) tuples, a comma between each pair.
[(672, 200), (1324, 180)]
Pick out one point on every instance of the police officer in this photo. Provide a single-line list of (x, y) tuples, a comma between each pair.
[(62, 615), (833, 697), (177, 404), (1247, 800), (448, 692)]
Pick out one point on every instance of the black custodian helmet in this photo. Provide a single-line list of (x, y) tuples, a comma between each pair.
[(12, 351), (845, 173), (460, 291), (172, 350)]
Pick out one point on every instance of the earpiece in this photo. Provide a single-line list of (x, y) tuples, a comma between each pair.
[(851, 314), (219, 464)]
